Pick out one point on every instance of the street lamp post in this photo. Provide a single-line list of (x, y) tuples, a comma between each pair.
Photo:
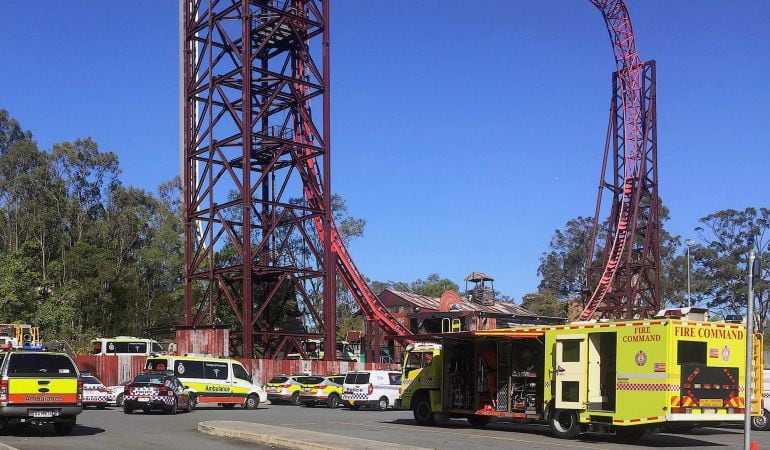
[(688, 243)]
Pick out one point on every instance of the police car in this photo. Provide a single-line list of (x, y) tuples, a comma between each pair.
[(374, 388), (95, 393), (156, 391)]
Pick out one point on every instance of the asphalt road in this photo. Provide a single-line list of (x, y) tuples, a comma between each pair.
[(99, 429)]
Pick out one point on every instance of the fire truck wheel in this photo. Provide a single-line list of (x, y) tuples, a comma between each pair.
[(479, 421), (423, 414), (761, 423), (565, 424), (64, 427)]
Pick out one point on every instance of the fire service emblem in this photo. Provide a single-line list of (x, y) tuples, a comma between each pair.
[(641, 358)]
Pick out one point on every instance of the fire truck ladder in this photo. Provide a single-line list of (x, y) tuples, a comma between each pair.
[(629, 70)]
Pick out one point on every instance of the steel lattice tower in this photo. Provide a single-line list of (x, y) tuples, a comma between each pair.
[(256, 171), (635, 289)]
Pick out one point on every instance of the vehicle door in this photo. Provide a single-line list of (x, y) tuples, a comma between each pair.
[(569, 371), (240, 380), (181, 393)]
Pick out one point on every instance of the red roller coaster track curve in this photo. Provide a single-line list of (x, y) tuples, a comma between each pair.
[(629, 70)]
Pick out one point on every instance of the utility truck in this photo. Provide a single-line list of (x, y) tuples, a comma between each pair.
[(627, 378)]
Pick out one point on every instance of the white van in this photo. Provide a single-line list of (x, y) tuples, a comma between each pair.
[(125, 345), (376, 388), (212, 380)]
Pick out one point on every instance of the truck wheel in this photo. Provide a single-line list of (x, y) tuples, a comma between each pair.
[(761, 423), (333, 401), (423, 414), (64, 427), (479, 421), (252, 402), (565, 424), (382, 403)]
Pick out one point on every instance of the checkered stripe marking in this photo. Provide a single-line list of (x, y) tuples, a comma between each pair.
[(646, 387), (355, 396), (144, 391), (153, 398), (96, 398)]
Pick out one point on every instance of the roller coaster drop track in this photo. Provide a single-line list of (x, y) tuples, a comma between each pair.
[(636, 195)]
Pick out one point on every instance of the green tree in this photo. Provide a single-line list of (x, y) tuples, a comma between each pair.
[(720, 261), (544, 303), (563, 268), (10, 132), (433, 286)]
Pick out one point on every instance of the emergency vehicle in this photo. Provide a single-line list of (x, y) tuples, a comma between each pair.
[(316, 390), (125, 345), (19, 336), (212, 380), (628, 377), (40, 387)]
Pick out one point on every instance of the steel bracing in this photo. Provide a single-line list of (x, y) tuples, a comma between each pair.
[(628, 285), (261, 247)]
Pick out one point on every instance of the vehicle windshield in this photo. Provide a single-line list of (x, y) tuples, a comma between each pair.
[(310, 380), (276, 380), (42, 364), (91, 380), (151, 379), (357, 378), (157, 364)]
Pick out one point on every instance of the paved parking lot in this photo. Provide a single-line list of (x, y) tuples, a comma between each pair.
[(112, 429)]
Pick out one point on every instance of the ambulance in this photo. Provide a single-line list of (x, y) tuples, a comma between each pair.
[(628, 377), (212, 380)]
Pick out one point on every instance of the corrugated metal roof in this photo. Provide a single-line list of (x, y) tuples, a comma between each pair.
[(497, 307), (478, 276)]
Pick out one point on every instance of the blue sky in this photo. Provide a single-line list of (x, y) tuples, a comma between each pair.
[(465, 135)]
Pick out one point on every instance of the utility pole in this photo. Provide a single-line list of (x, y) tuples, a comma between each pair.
[(688, 243)]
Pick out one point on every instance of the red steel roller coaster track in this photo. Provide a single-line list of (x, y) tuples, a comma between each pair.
[(371, 307), (629, 73)]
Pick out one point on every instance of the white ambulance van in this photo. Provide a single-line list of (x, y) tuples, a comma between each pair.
[(373, 388), (212, 380)]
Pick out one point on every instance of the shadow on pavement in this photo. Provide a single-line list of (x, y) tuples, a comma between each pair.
[(30, 430), (648, 441)]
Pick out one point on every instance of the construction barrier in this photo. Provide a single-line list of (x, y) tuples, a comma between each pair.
[(113, 370)]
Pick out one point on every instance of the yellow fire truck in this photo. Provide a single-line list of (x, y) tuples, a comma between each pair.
[(628, 377)]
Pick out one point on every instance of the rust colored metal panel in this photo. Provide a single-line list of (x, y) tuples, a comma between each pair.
[(110, 369), (210, 341)]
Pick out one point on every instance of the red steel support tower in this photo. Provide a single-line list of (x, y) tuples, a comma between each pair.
[(629, 283), (258, 223)]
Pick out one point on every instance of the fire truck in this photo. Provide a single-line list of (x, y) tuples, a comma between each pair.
[(626, 377)]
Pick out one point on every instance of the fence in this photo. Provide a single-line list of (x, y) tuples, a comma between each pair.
[(113, 370)]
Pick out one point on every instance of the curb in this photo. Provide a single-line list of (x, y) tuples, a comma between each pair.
[(290, 438), (7, 447)]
